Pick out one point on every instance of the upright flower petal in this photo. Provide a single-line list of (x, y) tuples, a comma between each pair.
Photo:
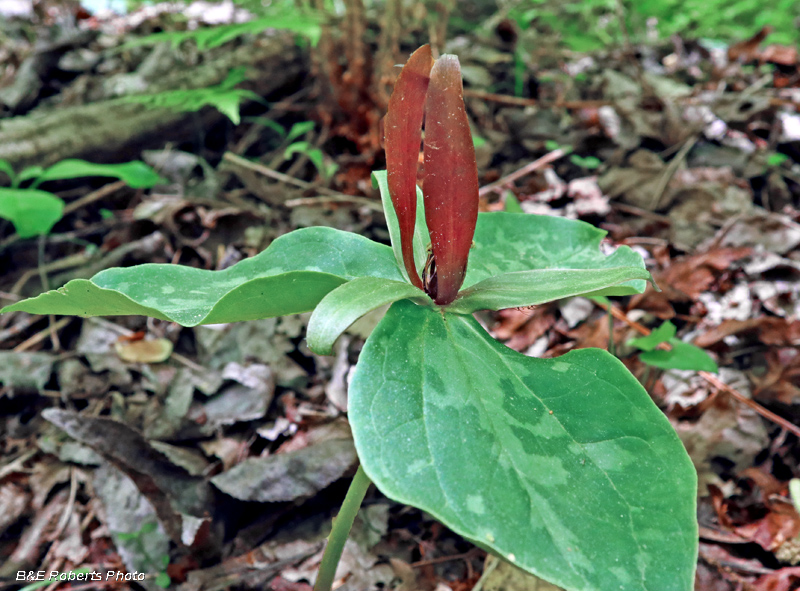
[(403, 132), (450, 185)]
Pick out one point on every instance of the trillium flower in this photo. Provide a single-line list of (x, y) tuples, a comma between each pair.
[(450, 184)]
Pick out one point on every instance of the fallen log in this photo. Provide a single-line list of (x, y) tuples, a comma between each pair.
[(115, 130)]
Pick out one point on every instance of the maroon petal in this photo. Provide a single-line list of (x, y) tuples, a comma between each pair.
[(450, 185), (402, 133)]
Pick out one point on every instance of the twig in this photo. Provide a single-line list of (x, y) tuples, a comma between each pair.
[(767, 414), (463, 556), (100, 193), (709, 377), (69, 262), (527, 169), (23, 324), (42, 243), (633, 210), (491, 564), (278, 176), (15, 465), (322, 200), (529, 102), (669, 172), (42, 335), (68, 508)]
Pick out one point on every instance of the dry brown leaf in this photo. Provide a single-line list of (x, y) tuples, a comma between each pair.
[(152, 351)]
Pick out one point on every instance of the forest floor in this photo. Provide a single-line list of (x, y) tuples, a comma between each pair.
[(688, 152)]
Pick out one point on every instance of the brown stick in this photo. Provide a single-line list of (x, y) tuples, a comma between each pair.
[(709, 377), (527, 169)]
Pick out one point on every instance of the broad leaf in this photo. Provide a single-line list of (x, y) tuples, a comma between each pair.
[(508, 242), (564, 466), (32, 212), (680, 355), (349, 302), (8, 170), (403, 133), (529, 288), (450, 186), (662, 334), (136, 174), (421, 240), (291, 276)]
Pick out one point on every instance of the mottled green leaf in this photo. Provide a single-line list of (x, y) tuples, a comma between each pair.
[(32, 212), (563, 466), (529, 288), (508, 242), (136, 174), (291, 276), (349, 302)]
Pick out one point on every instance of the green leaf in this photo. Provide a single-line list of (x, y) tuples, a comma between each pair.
[(529, 288), (564, 467), (28, 173), (8, 170), (298, 129), (163, 580), (421, 239), (681, 356), (589, 162), (307, 25), (136, 174), (32, 212), (222, 97), (776, 159), (509, 242), (662, 334), (512, 203), (291, 276), (269, 124), (349, 302), (794, 491)]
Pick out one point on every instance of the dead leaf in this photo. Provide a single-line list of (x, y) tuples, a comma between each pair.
[(170, 489), (288, 476), (25, 371), (152, 351), (725, 429)]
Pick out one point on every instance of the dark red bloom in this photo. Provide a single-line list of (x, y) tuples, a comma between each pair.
[(402, 133), (450, 185)]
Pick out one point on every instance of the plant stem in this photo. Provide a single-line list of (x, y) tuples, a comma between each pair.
[(342, 524)]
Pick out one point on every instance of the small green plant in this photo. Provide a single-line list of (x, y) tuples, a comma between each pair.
[(587, 162), (305, 24), (223, 97), (563, 467), (680, 355), (776, 158), (34, 212), (324, 167), (138, 540)]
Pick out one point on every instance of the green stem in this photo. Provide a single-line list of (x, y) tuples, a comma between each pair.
[(342, 524), (612, 346)]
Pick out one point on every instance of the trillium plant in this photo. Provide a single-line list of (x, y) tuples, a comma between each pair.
[(563, 467)]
